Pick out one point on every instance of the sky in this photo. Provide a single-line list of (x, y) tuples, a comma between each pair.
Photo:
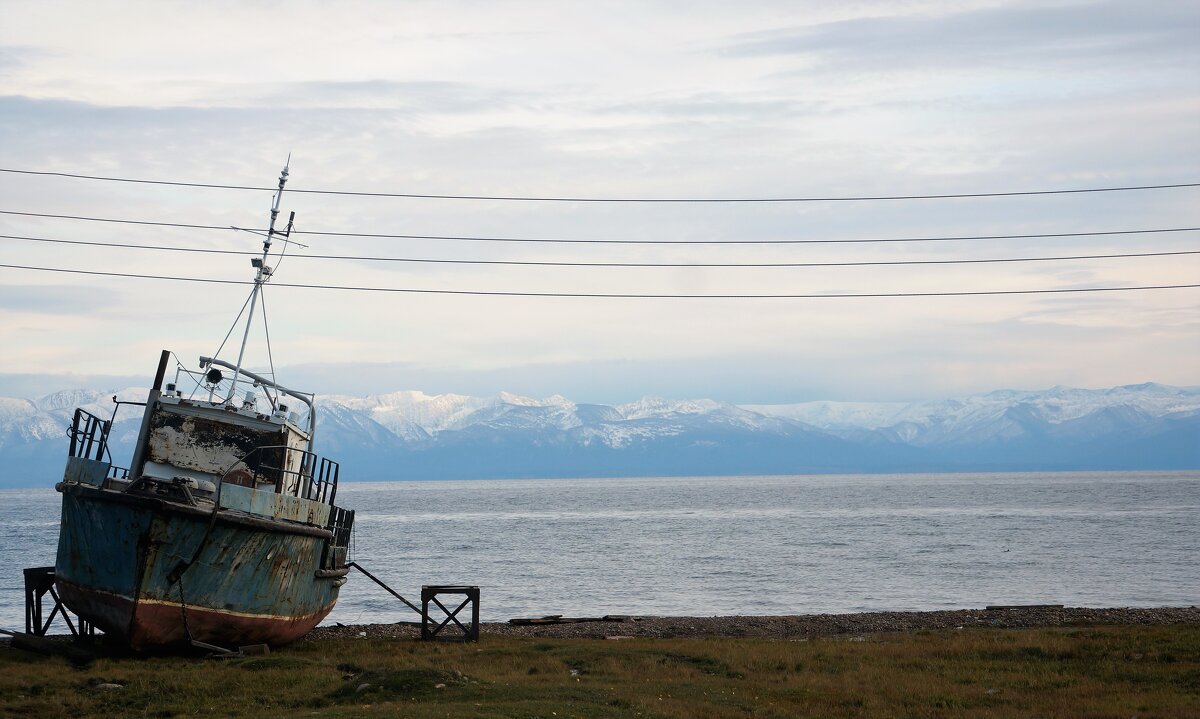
[(606, 100)]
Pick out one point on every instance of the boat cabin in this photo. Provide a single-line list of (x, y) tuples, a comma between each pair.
[(253, 454)]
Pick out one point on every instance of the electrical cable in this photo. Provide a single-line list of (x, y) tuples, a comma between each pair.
[(548, 263), (127, 222), (410, 195), (466, 238), (605, 295), (870, 240)]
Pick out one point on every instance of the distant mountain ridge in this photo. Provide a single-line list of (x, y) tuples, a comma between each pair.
[(412, 435)]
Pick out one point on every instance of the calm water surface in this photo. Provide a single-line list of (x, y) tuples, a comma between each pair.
[(743, 545)]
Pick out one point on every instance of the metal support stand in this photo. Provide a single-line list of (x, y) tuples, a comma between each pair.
[(470, 632), (39, 581)]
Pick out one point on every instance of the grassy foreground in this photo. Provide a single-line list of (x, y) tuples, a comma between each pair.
[(1079, 672)]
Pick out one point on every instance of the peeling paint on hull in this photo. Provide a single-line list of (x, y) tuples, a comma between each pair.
[(158, 624), (249, 585)]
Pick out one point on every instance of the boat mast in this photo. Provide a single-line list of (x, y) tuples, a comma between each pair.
[(261, 277)]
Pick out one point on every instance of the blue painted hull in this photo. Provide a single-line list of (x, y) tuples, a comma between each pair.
[(255, 580)]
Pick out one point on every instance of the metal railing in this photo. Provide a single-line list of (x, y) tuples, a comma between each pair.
[(89, 436), (266, 401), (315, 479), (89, 440), (341, 523)]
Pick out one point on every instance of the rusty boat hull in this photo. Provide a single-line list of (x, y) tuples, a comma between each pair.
[(249, 579), (222, 530)]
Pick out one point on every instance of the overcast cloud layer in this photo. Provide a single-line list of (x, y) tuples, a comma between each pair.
[(755, 99)]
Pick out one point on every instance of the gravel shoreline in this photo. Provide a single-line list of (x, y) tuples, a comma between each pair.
[(798, 626)]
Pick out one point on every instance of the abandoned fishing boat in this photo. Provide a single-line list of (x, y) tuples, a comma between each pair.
[(223, 529)]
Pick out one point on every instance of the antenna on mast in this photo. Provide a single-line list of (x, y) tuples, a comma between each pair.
[(262, 272)]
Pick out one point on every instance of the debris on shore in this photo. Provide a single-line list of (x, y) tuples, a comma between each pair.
[(797, 626)]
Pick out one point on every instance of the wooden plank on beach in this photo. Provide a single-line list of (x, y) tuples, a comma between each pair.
[(44, 645), (560, 619)]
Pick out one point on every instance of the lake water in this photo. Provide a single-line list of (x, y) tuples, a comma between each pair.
[(742, 545)]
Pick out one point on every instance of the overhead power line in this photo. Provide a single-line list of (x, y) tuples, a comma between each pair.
[(127, 222), (868, 240), (555, 240), (515, 198), (607, 295), (556, 263)]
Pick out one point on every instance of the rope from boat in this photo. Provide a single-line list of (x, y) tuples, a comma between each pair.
[(182, 567), (183, 610), (212, 518)]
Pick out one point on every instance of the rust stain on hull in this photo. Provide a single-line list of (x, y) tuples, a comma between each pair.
[(150, 625), (118, 566), (170, 551)]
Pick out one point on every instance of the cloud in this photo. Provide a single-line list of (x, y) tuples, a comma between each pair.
[(1082, 35), (719, 106), (428, 96), (589, 100), (56, 299), (13, 57), (34, 385), (271, 97), (408, 97), (818, 351)]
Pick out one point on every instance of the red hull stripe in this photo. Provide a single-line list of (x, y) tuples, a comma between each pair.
[(151, 623), (162, 624)]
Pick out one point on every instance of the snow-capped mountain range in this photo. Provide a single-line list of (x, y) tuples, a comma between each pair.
[(412, 435)]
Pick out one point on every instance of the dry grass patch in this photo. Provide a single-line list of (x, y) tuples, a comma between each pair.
[(1114, 672)]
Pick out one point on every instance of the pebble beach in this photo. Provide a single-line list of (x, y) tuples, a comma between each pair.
[(796, 627)]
